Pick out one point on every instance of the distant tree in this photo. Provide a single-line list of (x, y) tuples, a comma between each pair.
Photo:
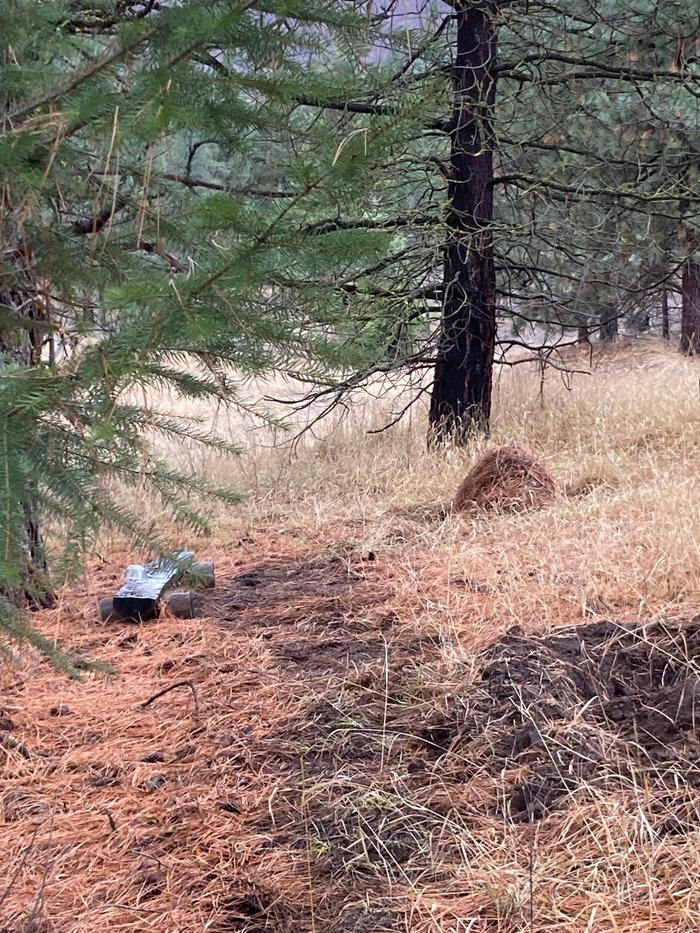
[(665, 323), (690, 276), (690, 309), (549, 148)]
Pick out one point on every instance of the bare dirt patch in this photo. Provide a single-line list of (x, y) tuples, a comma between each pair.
[(580, 710)]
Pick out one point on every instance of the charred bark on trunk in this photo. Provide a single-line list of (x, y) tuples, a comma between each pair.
[(22, 346), (461, 396), (35, 590), (690, 308), (665, 325), (609, 324)]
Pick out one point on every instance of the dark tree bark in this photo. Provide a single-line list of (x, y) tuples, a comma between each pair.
[(35, 591), (690, 308), (665, 327), (609, 322), (461, 396), (23, 346)]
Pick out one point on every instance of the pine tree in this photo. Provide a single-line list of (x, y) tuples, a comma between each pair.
[(551, 150), (147, 211)]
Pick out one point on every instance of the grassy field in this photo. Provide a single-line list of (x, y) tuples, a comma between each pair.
[(384, 719)]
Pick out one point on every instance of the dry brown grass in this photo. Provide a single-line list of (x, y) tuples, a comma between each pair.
[(328, 778), (507, 479)]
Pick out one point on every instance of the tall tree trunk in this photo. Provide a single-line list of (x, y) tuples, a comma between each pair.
[(609, 322), (23, 347), (461, 397), (665, 328), (34, 592), (690, 307)]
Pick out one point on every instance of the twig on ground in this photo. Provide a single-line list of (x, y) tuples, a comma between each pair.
[(180, 683)]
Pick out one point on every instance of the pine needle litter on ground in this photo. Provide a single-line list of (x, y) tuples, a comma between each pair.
[(315, 754), (507, 478)]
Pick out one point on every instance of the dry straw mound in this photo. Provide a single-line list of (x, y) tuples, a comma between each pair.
[(506, 478)]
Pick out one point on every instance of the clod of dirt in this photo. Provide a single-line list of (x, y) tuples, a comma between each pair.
[(228, 806), (104, 780), (685, 820), (153, 758), (152, 885), (17, 804), (240, 911), (129, 640), (157, 782), (582, 708), (505, 478), (250, 578), (473, 586), (588, 483)]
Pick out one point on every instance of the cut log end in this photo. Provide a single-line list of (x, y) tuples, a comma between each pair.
[(107, 611)]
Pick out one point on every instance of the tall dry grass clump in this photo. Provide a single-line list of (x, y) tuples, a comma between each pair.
[(507, 478)]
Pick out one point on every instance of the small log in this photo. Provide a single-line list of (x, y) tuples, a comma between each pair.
[(108, 612), (9, 741)]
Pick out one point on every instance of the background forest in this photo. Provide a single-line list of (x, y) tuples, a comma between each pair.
[(200, 192)]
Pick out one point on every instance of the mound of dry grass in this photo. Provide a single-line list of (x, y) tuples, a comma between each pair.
[(506, 478)]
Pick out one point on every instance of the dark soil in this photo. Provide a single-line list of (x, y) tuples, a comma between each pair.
[(580, 708), (307, 609)]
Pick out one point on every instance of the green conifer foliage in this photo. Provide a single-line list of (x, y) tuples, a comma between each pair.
[(150, 207)]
